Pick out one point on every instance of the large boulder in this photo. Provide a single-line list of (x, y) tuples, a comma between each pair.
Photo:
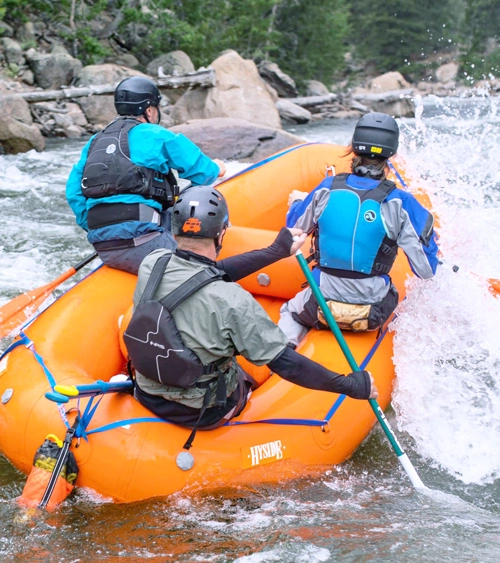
[(388, 82), (316, 88), (236, 139), (53, 70), (175, 62), (293, 112), (18, 133), (94, 75), (447, 72), (239, 92), (281, 82), (99, 110)]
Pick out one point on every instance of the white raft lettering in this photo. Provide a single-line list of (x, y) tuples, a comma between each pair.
[(266, 451)]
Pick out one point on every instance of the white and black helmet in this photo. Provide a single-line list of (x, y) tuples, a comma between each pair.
[(200, 212)]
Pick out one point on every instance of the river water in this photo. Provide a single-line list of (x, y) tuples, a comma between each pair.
[(446, 402)]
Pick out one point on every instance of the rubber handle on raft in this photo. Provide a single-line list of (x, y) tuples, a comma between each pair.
[(56, 397)]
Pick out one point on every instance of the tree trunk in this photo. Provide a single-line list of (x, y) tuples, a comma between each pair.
[(200, 79), (309, 101)]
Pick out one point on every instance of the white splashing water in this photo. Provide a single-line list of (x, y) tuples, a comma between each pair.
[(446, 347)]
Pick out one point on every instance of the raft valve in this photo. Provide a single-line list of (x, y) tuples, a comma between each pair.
[(184, 460)]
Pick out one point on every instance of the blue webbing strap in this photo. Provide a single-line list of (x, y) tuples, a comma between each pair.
[(397, 174), (24, 341), (281, 421)]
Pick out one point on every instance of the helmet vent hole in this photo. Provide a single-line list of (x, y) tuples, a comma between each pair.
[(193, 209), (213, 202), (212, 214)]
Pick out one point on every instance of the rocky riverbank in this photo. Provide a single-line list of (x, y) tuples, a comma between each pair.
[(237, 113)]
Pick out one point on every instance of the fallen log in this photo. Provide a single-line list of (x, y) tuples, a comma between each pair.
[(387, 97), (200, 79), (309, 101)]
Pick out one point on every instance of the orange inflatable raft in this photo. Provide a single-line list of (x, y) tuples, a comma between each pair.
[(127, 454)]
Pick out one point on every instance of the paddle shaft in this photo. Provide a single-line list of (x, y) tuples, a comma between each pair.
[(61, 460), (18, 310), (332, 323), (63, 393)]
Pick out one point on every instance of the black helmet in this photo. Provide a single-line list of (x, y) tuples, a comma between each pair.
[(135, 94), (376, 134), (200, 212)]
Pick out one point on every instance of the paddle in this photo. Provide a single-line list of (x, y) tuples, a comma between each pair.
[(63, 393), (19, 309), (403, 458)]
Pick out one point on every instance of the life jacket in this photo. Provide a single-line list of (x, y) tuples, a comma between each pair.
[(153, 341), (109, 170), (351, 240)]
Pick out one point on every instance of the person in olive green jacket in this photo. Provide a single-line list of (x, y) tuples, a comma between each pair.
[(222, 320)]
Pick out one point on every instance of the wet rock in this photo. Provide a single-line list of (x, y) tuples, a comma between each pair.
[(12, 51), (236, 139), (99, 110), (281, 82), (28, 77), (292, 112), (127, 59), (18, 133), (388, 82), (316, 88), (447, 73), (175, 62), (107, 73), (52, 71), (239, 92)]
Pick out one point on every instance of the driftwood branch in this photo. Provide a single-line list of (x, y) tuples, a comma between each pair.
[(309, 101), (392, 96), (200, 79)]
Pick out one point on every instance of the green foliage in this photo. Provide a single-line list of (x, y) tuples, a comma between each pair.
[(205, 28), (91, 50), (394, 33), (481, 57), (312, 38)]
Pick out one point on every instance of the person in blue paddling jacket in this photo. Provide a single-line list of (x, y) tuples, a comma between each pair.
[(191, 320), (123, 186), (359, 221)]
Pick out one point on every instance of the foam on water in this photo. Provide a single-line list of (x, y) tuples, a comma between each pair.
[(446, 349)]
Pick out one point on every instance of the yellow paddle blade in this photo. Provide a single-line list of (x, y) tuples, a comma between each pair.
[(68, 390)]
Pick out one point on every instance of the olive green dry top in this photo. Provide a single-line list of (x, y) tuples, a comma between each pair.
[(218, 321)]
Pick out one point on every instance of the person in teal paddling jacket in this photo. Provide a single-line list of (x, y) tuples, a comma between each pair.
[(359, 221), (122, 187), (191, 320)]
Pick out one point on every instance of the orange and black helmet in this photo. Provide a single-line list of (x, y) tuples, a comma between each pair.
[(200, 212)]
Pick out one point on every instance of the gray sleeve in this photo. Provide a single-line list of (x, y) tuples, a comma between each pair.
[(254, 335), (400, 228), (309, 219)]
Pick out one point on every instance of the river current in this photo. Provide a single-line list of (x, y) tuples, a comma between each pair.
[(446, 405)]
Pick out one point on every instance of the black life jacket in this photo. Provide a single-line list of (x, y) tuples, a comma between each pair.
[(153, 340), (109, 170)]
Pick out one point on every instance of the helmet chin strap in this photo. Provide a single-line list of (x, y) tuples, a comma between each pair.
[(158, 115), (218, 247)]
